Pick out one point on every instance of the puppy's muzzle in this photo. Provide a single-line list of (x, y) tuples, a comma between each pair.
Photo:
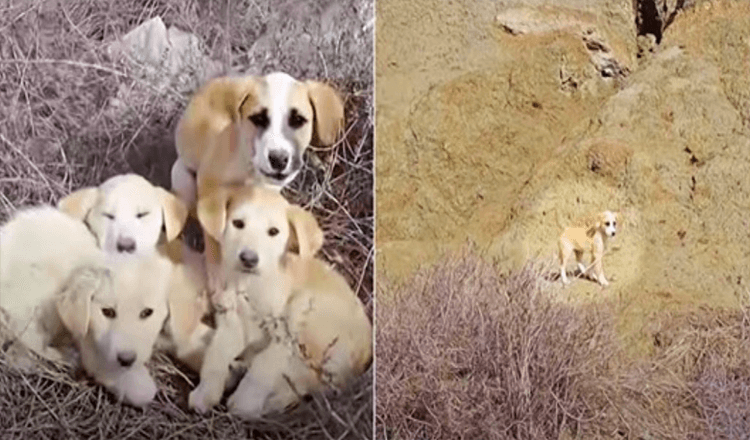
[(278, 159), (249, 259), (125, 244), (126, 358)]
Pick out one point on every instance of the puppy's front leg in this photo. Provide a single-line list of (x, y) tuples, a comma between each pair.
[(226, 344), (599, 269), (214, 273)]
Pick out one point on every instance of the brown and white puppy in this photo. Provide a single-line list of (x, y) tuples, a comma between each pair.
[(239, 130), (588, 239), (292, 320), (126, 214)]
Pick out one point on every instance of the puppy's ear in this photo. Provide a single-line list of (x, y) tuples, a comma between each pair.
[(305, 236), (212, 211), (329, 113), (174, 213), (245, 98), (74, 298), (78, 203)]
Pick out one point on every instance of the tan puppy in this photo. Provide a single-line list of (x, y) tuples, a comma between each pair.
[(58, 285), (592, 239), (126, 213), (239, 130), (288, 315)]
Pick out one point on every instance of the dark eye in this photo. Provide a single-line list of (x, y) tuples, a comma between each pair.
[(109, 312), (296, 120), (260, 119), (606, 224), (145, 313), (273, 231), (239, 224), (142, 214), (109, 216), (614, 224)]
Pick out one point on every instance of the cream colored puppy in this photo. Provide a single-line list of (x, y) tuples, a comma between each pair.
[(57, 285), (126, 214), (239, 130), (592, 239), (39, 248), (291, 319)]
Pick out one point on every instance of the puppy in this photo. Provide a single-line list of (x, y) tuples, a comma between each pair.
[(239, 130), (293, 321), (57, 285), (126, 214), (39, 248), (592, 239)]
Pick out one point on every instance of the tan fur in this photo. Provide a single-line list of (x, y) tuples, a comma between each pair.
[(327, 337), (592, 239)]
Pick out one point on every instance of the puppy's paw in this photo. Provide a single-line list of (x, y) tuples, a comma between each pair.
[(248, 404), (203, 398), (603, 281), (136, 387), (249, 400)]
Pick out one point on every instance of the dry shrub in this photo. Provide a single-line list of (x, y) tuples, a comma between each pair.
[(464, 351), (59, 131), (694, 386)]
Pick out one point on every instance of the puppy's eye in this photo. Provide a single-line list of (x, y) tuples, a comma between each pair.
[(145, 313), (614, 224), (296, 120), (273, 232), (142, 214), (239, 224), (109, 216), (109, 312), (606, 224), (260, 119)]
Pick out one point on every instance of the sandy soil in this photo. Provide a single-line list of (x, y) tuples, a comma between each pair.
[(502, 131)]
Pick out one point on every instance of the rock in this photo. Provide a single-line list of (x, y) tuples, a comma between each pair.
[(165, 57)]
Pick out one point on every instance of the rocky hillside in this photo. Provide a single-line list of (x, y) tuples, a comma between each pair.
[(503, 122)]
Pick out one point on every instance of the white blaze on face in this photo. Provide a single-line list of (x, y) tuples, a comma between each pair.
[(278, 147), (274, 150), (609, 222)]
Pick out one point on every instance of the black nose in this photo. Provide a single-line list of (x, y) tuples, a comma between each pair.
[(613, 233), (126, 358), (126, 245), (278, 159), (249, 258)]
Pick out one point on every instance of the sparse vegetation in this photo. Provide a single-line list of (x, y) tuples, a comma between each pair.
[(60, 130), (465, 351)]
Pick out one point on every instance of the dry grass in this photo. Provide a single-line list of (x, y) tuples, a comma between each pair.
[(464, 351), (59, 132)]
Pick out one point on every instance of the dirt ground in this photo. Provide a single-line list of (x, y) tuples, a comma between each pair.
[(500, 124)]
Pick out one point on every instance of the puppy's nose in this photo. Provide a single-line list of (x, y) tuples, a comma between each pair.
[(249, 258), (278, 159), (613, 233), (126, 245), (126, 358)]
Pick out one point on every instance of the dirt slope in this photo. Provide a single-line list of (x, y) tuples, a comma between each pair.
[(500, 124)]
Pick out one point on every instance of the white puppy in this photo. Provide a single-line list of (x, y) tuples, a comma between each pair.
[(591, 239), (126, 213), (57, 284)]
